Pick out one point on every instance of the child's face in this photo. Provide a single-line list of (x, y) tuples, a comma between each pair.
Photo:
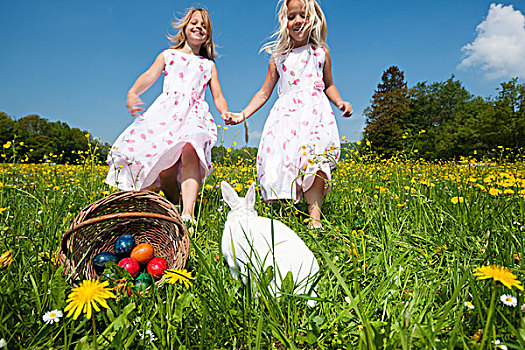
[(297, 22), (196, 30)]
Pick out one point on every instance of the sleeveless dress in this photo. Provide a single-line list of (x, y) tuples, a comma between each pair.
[(300, 136), (154, 141)]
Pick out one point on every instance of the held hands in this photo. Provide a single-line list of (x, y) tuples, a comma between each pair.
[(346, 108), (133, 102), (233, 118)]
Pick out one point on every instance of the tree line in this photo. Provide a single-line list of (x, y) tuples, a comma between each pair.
[(443, 120), (33, 139)]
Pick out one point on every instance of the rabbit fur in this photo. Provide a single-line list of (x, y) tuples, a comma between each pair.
[(247, 239)]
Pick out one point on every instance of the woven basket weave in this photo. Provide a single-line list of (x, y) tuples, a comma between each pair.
[(145, 215)]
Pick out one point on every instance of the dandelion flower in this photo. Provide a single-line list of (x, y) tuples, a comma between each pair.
[(86, 296), (499, 345), (51, 317), (6, 259), (499, 274), (183, 276), (469, 305), (509, 300), (456, 200), (495, 192)]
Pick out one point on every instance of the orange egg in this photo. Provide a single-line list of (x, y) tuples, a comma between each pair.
[(142, 253)]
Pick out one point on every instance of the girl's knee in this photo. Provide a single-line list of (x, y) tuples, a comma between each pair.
[(188, 149), (321, 175)]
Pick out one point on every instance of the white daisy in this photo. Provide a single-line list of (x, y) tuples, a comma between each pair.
[(469, 305), (2, 343), (509, 300), (51, 317), (522, 308), (499, 345)]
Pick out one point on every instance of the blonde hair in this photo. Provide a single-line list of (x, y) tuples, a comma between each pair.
[(316, 27), (207, 49)]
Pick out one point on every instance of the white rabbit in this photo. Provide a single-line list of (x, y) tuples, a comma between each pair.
[(247, 239)]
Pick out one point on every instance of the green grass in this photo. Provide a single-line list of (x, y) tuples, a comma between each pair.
[(397, 258)]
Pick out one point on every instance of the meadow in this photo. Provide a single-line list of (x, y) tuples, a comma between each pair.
[(404, 257)]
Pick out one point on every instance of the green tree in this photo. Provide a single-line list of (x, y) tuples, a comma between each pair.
[(386, 117), (7, 128), (449, 114), (510, 115), (41, 138)]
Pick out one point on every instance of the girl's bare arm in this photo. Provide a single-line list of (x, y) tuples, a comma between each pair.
[(216, 92), (331, 91), (142, 83)]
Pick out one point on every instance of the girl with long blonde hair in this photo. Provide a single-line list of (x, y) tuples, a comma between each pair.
[(169, 146), (299, 147)]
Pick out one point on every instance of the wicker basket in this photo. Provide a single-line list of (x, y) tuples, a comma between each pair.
[(147, 216)]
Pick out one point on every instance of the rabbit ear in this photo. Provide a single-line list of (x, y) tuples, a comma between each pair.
[(250, 196), (229, 195)]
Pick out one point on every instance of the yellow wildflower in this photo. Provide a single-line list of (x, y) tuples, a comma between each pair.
[(498, 274), (86, 296), (183, 276), (6, 259)]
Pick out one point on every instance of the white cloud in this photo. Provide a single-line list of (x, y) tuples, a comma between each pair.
[(255, 136), (499, 48)]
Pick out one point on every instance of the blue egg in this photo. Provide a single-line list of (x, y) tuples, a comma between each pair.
[(100, 260), (124, 245)]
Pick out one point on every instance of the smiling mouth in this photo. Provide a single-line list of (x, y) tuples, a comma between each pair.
[(197, 32)]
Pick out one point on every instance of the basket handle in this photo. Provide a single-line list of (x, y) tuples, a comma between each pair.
[(118, 216)]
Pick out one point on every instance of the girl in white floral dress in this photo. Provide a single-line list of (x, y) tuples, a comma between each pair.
[(299, 146), (169, 146)]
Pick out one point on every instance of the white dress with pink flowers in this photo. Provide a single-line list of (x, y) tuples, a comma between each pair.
[(154, 141), (300, 136)]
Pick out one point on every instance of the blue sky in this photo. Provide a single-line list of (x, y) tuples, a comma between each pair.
[(74, 61)]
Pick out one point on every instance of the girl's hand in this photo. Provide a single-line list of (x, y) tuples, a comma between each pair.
[(133, 102), (346, 108), (234, 118)]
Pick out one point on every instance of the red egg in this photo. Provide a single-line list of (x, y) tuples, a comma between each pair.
[(131, 265), (156, 267), (142, 253)]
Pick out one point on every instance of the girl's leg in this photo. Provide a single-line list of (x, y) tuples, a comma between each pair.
[(190, 181), (168, 183), (314, 197)]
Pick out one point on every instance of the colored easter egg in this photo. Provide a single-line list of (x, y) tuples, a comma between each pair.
[(131, 265), (124, 245), (143, 253), (141, 285), (142, 282), (109, 276), (145, 277), (156, 267), (100, 260)]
